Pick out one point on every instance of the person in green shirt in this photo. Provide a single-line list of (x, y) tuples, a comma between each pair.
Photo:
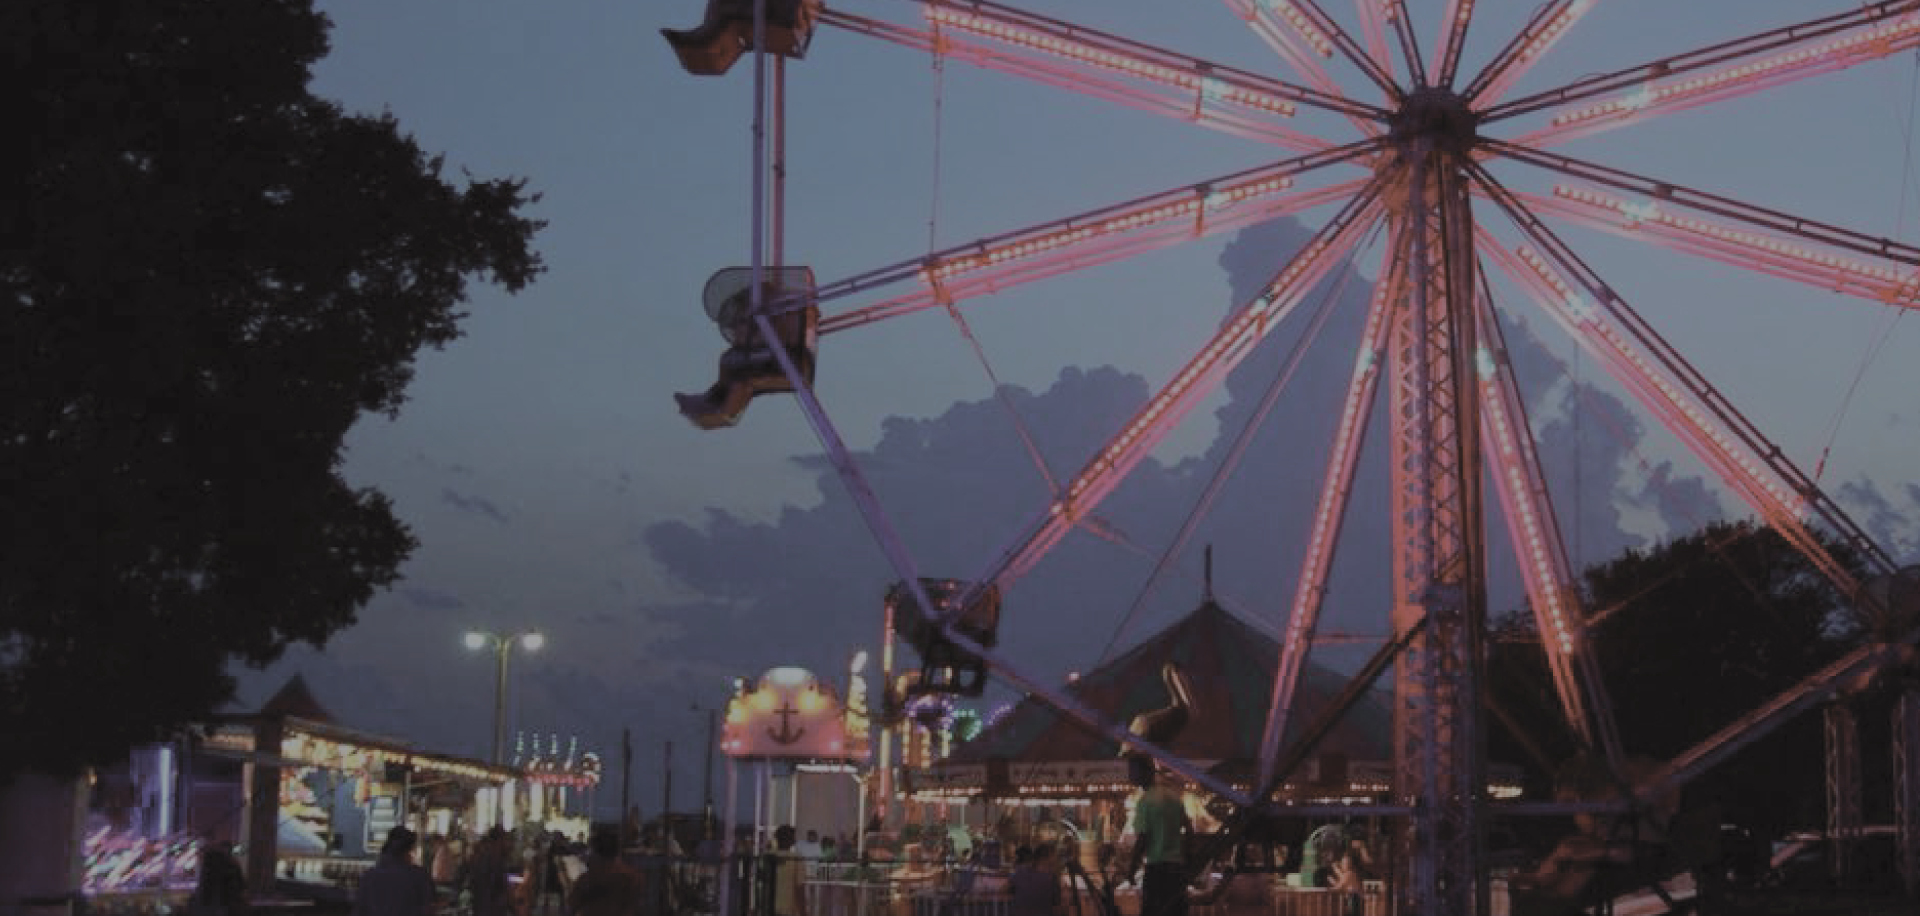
[(1160, 829)]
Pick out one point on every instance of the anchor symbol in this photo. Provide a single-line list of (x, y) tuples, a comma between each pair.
[(787, 733)]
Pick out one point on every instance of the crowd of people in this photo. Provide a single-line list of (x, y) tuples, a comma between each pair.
[(625, 871), (560, 878)]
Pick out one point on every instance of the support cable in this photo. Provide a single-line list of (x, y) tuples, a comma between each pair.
[(1888, 321), (939, 99), (1231, 461), (1000, 394)]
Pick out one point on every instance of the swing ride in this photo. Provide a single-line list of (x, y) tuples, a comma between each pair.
[(1430, 134)]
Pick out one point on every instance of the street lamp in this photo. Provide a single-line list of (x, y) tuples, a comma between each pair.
[(503, 645)]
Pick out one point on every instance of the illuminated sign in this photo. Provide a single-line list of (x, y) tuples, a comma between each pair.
[(788, 714)]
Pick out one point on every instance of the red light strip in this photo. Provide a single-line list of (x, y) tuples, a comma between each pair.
[(1092, 238), (1192, 91), (1721, 71), (1298, 41), (1318, 32), (1409, 43), (1374, 16), (1674, 391), (1784, 257), (1164, 411), (1453, 37), (1177, 74), (1534, 533), (1821, 235), (1081, 254), (1330, 512), (1527, 48)]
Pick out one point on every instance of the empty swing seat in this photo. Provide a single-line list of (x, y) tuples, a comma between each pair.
[(750, 366), (945, 667), (710, 48)]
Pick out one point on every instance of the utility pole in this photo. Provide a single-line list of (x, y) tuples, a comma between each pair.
[(666, 832), (666, 798), (706, 792), (626, 778)]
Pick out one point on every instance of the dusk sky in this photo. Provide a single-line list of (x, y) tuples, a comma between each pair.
[(553, 486)]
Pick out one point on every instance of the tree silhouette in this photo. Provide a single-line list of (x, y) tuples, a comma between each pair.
[(1690, 635), (207, 275)]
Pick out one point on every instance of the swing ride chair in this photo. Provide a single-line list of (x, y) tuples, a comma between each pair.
[(1419, 194), (945, 667), (710, 48), (749, 367)]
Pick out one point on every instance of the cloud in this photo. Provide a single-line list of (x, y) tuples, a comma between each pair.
[(806, 587), (475, 504), (1893, 521), (654, 617)]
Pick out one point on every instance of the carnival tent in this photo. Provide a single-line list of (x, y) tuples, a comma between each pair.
[(1229, 666)]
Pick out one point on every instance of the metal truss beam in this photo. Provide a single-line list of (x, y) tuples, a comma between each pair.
[(1723, 438), (1439, 557), (1528, 46), (1534, 533), (1319, 32), (1299, 43), (1163, 412), (1401, 26), (1729, 244), (1731, 68), (1453, 38), (1750, 236), (1906, 782), (1330, 512), (1099, 236), (1373, 29), (1107, 66), (1844, 821), (1818, 688), (888, 537)]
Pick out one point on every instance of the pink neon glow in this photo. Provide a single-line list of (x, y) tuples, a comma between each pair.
[(1164, 411), (1792, 259), (1121, 72), (1296, 21), (1123, 234), (1742, 458), (1536, 537), (1531, 48), (1192, 209), (1679, 405), (1374, 16), (1292, 35), (1310, 589), (1523, 494), (1688, 89), (1117, 60), (1453, 30)]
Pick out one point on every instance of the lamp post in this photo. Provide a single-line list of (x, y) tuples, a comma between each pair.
[(706, 792), (503, 646)]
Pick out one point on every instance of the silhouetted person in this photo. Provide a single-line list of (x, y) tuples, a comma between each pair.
[(609, 887), (1035, 884), (394, 886), (222, 890), (487, 870)]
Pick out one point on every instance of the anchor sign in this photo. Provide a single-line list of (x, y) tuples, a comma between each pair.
[(787, 733), (788, 715)]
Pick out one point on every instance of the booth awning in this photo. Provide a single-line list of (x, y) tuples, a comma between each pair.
[(1230, 668)]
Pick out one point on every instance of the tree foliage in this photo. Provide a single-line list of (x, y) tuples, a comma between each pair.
[(1691, 635), (207, 275)]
